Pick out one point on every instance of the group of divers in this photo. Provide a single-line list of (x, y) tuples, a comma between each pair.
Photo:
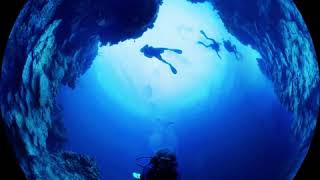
[(151, 52)]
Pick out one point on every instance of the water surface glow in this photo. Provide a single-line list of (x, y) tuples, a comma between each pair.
[(147, 86)]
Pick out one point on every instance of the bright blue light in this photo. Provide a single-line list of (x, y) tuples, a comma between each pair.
[(147, 86)]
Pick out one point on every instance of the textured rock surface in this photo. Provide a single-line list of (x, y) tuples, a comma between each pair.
[(29, 111), (52, 44), (277, 30)]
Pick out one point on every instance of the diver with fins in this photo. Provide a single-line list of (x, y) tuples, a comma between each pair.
[(231, 48), (151, 52), (214, 45)]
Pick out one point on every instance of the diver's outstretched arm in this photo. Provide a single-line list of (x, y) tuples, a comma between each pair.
[(205, 35), (199, 42)]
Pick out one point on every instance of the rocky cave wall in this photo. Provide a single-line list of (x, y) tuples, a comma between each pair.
[(277, 30), (53, 43)]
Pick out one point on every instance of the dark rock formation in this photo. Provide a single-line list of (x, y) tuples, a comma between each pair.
[(57, 136), (276, 29), (9, 165), (53, 43), (78, 166)]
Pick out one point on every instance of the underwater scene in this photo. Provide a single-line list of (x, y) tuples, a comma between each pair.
[(160, 89), (216, 111)]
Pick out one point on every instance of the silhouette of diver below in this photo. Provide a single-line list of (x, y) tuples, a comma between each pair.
[(151, 52), (214, 45)]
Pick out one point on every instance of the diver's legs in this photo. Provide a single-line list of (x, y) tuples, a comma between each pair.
[(161, 59), (178, 51), (160, 50), (173, 70), (236, 53)]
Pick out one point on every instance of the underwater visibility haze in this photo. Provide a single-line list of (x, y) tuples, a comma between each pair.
[(234, 97)]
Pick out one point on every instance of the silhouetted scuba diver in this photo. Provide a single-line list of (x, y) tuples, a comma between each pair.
[(214, 45), (162, 166), (151, 52), (231, 48)]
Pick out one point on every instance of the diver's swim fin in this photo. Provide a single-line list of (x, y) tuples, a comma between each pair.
[(178, 51), (173, 70)]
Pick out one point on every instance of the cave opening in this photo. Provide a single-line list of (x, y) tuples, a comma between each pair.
[(129, 105)]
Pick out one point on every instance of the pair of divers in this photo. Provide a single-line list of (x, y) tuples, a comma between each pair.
[(151, 52), (216, 45)]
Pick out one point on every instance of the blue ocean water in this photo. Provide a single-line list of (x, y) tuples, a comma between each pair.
[(220, 116)]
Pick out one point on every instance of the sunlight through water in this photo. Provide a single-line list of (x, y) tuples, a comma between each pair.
[(147, 86)]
